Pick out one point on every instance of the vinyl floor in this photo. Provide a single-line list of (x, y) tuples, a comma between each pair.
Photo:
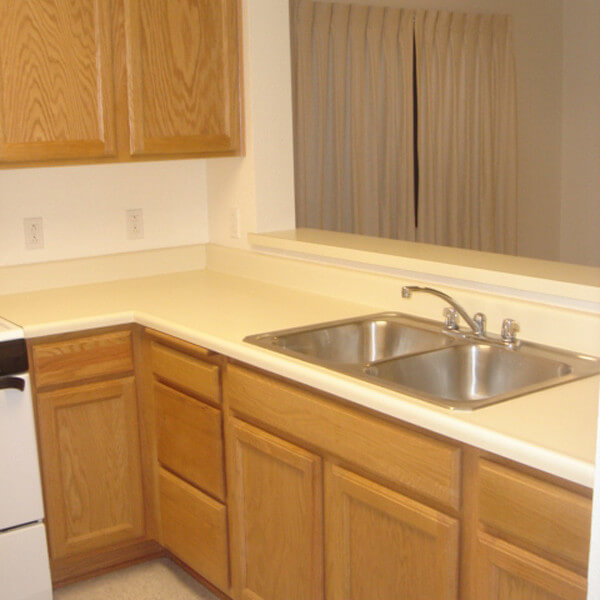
[(159, 579)]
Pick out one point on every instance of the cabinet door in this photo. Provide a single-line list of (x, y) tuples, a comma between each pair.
[(381, 545), (56, 80), (277, 520), (90, 454), (183, 73), (506, 572)]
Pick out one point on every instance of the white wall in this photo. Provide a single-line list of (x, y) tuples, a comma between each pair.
[(261, 184), (83, 208), (580, 209)]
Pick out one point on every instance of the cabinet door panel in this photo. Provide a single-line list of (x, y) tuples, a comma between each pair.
[(277, 499), (183, 69), (90, 454), (381, 545), (509, 573), (56, 80)]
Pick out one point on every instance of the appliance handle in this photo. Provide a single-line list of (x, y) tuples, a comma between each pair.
[(12, 383)]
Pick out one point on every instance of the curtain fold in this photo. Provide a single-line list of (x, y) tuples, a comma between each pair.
[(467, 132), (352, 78), (354, 130)]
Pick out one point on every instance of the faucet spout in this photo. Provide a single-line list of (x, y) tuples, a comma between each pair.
[(476, 326)]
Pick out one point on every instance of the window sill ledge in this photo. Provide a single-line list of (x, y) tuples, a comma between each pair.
[(573, 286)]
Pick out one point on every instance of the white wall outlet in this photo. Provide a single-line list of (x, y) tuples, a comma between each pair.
[(34, 233), (235, 224), (135, 224)]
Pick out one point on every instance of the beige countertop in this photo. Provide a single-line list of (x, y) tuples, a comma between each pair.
[(552, 430)]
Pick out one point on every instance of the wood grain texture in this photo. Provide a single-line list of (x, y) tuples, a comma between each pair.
[(90, 456), (147, 428), (381, 545), (190, 440), (183, 72), (97, 562), (276, 505), (194, 528), (399, 455), (72, 360), (509, 573), (186, 372), (179, 344), (535, 514), (56, 80)]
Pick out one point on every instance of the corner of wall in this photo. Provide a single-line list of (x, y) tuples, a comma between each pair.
[(260, 185)]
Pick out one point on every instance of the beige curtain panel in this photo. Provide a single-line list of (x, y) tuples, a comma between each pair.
[(353, 69), (467, 133), (355, 146)]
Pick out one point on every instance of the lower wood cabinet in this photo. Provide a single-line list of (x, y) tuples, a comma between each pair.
[(319, 500), (505, 572), (90, 451), (276, 500), (194, 528), (381, 545)]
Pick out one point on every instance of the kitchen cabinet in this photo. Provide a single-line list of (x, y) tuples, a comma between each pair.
[(183, 69), (185, 385), (89, 434), (56, 81), (276, 503), (266, 489), (507, 572), (532, 536), (406, 514), (381, 544), (118, 80)]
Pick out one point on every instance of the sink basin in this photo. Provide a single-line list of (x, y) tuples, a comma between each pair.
[(417, 357), (471, 375), (357, 341)]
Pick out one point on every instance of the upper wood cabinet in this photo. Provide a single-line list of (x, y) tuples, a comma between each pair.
[(56, 80), (118, 80), (183, 76)]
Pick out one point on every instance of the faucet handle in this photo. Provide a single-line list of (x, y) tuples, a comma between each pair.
[(481, 321), (509, 331), (450, 319)]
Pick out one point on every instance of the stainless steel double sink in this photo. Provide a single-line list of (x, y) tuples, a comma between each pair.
[(418, 357)]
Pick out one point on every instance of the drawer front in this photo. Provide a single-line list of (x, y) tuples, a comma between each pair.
[(186, 372), (535, 514), (190, 439), (82, 358), (194, 528), (429, 467)]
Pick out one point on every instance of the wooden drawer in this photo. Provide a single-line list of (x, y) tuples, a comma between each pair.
[(82, 358), (194, 528), (535, 514), (189, 436), (399, 455), (186, 372)]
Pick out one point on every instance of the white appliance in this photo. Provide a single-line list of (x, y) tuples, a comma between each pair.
[(24, 567)]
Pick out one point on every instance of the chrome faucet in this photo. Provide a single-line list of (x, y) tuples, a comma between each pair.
[(477, 323), (510, 328)]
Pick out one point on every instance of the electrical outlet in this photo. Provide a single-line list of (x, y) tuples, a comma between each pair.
[(235, 224), (34, 233), (135, 224)]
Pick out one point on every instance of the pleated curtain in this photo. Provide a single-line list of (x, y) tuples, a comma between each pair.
[(352, 77), (467, 131), (355, 147)]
